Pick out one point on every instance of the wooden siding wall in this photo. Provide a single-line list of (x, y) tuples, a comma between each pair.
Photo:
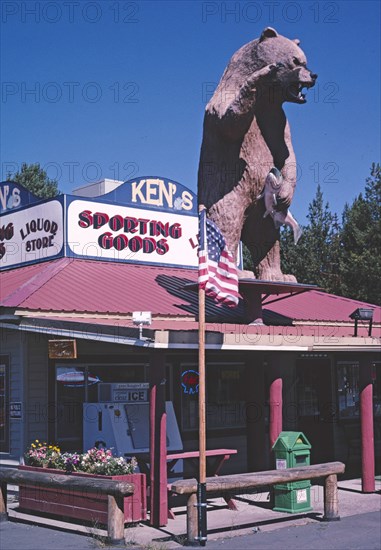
[(13, 346), (37, 388), (28, 384)]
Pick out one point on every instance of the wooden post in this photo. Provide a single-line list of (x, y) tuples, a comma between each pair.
[(201, 490), (3, 499), (276, 405), (192, 519), (201, 387), (331, 499), (158, 441), (367, 433), (115, 519)]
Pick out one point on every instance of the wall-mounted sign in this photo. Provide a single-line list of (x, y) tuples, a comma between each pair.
[(14, 196), (190, 381), (120, 233), (124, 392), (32, 234), (154, 193), (62, 349), (15, 410), (149, 220)]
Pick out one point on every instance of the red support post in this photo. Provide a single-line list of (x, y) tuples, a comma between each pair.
[(276, 405), (367, 433), (158, 442)]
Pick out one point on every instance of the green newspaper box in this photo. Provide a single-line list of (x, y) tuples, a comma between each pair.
[(292, 449)]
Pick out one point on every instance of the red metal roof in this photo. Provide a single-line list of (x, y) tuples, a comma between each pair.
[(320, 306), (68, 285)]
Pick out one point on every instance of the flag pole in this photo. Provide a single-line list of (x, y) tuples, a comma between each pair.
[(201, 487)]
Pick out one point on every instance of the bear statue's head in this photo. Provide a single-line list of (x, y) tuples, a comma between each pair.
[(292, 74)]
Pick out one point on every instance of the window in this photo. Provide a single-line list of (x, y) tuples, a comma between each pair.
[(4, 404), (348, 378), (307, 390), (78, 384), (225, 402)]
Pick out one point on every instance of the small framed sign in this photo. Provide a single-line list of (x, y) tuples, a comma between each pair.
[(62, 349), (15, 410)]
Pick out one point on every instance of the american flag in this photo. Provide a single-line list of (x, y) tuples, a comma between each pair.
[(217, 271)]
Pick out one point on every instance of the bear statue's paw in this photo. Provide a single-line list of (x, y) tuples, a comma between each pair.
[(277, 277), (245, 274), (289, 278)]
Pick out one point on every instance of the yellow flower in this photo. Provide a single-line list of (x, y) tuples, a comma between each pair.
[(37, 441), (33, 445)]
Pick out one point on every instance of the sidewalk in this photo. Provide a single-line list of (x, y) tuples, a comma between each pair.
[(254, 525)]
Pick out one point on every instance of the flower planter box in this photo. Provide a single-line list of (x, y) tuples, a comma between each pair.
[(72, 504)]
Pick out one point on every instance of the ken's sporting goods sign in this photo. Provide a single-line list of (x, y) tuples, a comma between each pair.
[(148, 220)]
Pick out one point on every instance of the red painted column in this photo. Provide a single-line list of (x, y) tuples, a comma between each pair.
[(276, 405), (367, 433), (158, 441)]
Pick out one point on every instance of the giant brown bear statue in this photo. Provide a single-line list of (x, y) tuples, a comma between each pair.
[(245, 135)]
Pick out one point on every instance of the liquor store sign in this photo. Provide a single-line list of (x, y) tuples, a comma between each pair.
[(32, 234)]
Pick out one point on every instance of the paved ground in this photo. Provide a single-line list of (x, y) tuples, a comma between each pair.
[(254, 526), (362, 531)]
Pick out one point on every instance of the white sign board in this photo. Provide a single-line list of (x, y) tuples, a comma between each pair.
[(301, 495), (123, 233), (32, 234), (281, 464)]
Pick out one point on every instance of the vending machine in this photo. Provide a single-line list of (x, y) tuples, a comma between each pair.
[(120, 420)]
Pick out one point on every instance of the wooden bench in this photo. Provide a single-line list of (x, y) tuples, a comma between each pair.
[(115, 490), (236, 484), (217, 458)]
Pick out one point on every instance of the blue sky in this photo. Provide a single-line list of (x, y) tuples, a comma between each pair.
[(94, 89)]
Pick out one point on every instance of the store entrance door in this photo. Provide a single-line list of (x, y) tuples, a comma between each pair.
[(316, 406)]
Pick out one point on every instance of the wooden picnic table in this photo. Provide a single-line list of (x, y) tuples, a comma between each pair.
[(213, 466), (215, 460)]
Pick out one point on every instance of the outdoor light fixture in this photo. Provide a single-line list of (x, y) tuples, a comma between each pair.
[(140, 319), (362, 314)]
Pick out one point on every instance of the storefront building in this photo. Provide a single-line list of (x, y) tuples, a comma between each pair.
[(78, 268)]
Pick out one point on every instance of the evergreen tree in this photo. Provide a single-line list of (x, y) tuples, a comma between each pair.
[(36, 180), (315, 259), (361, 243), (247, 260)]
